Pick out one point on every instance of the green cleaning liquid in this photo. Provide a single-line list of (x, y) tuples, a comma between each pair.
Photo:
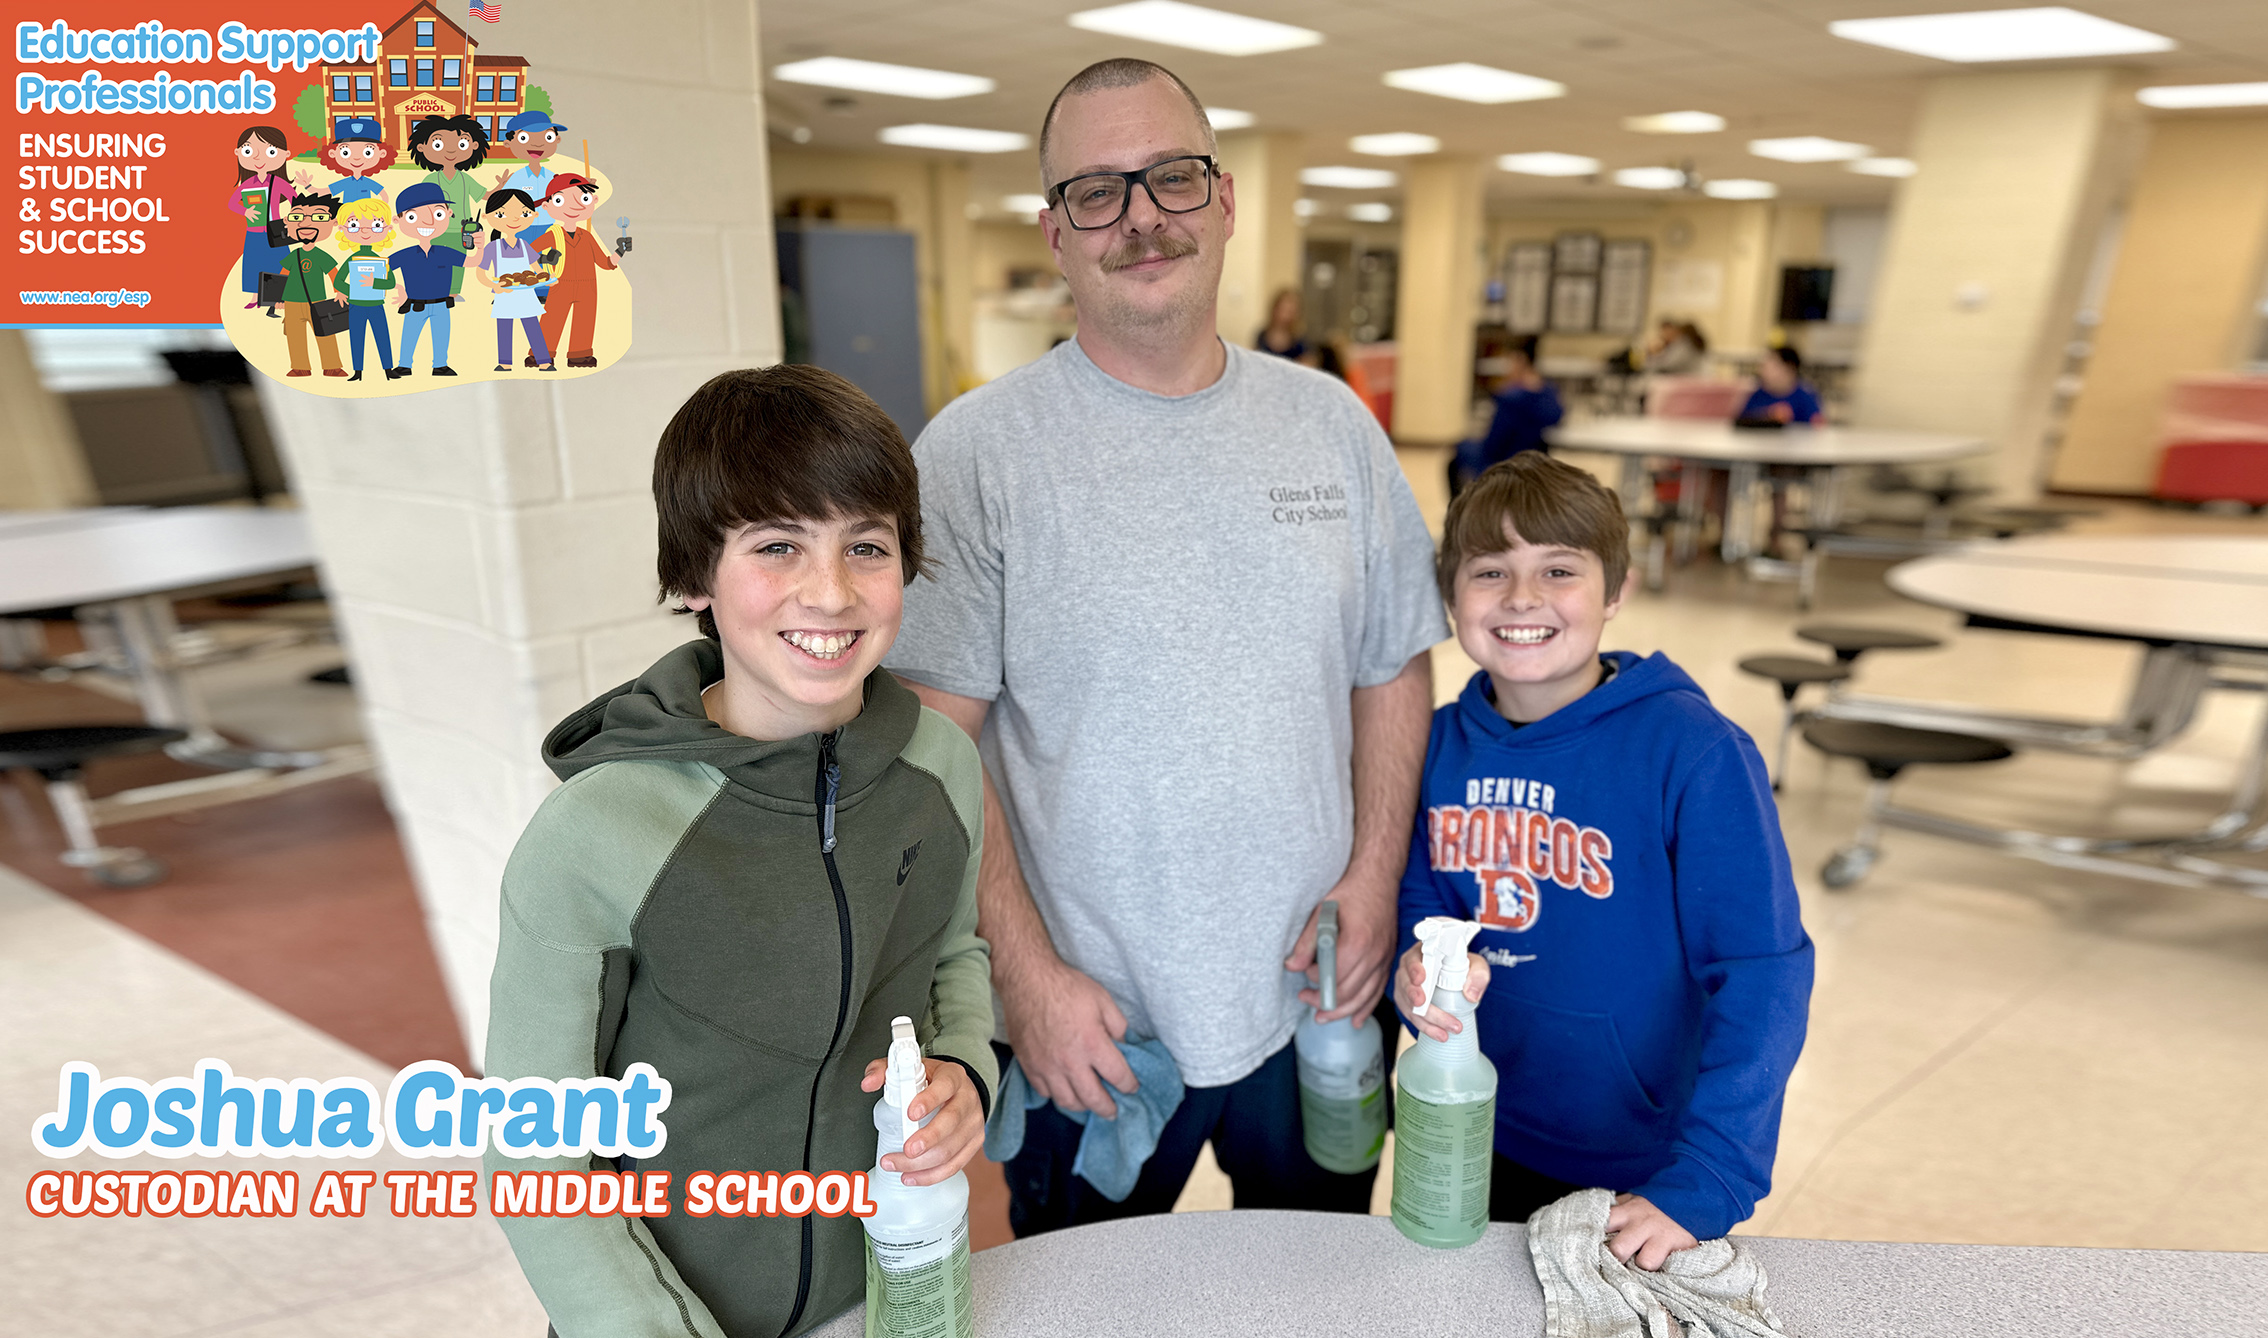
[(1445, 1108)]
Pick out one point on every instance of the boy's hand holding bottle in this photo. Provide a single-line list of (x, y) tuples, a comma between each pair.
[(1411, 992), (939, 1149)]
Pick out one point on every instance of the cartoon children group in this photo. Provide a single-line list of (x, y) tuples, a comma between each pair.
[(539, 262)]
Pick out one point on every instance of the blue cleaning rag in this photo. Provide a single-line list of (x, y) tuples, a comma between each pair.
[(1111, 1152)]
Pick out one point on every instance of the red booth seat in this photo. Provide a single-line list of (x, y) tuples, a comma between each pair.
[(2215, 471)]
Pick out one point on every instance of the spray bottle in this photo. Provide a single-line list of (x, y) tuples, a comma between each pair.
[(917, 1241), (1445, 1105), (1342, 1070)]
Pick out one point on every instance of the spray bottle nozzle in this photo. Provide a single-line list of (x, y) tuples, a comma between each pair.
[(907, 1077), (1442, 944), (1327, 954)]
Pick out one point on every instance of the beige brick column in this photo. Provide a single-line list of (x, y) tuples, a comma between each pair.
[(41, 465), (1264, 255), (2183, 295), (1438, 303), (1987, 254), (490, 548)]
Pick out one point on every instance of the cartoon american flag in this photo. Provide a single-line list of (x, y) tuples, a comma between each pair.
[(485, 13)]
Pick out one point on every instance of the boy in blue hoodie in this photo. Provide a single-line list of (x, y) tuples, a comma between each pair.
[(1616, 839)]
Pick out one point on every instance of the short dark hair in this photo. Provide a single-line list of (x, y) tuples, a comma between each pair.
[(463, 125), (1119, 72), (1793, 359), (789, 442), (1544, 502), (329, 203)]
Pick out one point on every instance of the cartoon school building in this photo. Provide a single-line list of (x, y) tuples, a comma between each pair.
[(426, 66)]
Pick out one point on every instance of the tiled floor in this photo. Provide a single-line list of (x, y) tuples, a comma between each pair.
[(2000, 1051)]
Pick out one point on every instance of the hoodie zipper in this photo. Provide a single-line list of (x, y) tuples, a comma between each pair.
[(828, 785)]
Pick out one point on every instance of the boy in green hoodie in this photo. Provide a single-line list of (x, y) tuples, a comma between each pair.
[(764, 850)]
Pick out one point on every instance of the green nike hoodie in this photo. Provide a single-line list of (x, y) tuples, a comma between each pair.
[(746, 917)]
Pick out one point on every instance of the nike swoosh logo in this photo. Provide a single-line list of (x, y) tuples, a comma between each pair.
[(905, 862)]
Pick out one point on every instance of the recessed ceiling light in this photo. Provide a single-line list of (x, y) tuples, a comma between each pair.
[(1650, 178), (1884, 167), (1396, 145), (2204, 95), (955, 138), (866, 76), (1549, 164), (1171, 23), (1675, 123), (1468, 82), (1025, 207), (1307, 208), (1224, 119), (1808, 149), (1349, 178), (1371, 213), (2048, 33), (1740, 188)]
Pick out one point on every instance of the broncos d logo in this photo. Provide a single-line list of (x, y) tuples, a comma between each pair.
[(1508, 899)]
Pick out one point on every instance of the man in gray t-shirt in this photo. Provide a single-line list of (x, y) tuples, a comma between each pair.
[(1183, 599)]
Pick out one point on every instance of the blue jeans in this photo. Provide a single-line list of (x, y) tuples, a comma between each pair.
[(1253, 1125), (259, 258), (414, 321), (371, 317)]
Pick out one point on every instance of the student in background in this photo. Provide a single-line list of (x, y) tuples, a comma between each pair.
[(1526, 404), (263, 191), (1285, 334), (1780, 395), (1678, 348), (450, 147)]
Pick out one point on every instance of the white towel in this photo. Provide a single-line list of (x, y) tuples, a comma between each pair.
[(1714, 1290)]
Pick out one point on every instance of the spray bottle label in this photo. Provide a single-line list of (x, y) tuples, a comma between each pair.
[(920, 1289), (1343, 1133), (1441, 1166)]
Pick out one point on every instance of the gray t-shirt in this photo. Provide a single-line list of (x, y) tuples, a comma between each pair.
[(1168, 600)]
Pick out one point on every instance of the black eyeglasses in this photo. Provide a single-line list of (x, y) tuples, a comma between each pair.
[(1099, 199)]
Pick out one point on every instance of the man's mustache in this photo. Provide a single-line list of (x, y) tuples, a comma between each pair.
[(1162, 246)]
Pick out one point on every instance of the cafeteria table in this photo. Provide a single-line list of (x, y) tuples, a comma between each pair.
[(2198, 605), (1325, 1275), (1826, 454), (122, 569)]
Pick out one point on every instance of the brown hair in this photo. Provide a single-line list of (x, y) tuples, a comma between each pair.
[(1121, 72), (1544, 502), (267, 134), (775, 443)]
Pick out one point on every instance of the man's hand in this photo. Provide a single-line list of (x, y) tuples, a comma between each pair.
[(1411, 992), (946, 1144), (1064, 1029), (1639, 1233), (1366, 948)]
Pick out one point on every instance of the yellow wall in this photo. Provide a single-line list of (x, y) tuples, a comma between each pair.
[(931, 195), (1987, 251), (996, 248), (2181, 297), (1746, 240)]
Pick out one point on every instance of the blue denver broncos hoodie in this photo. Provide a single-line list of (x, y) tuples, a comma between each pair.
[(1649, 972)]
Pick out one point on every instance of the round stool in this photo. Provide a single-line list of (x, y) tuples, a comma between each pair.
[(1791, 672), (60, 755), (1849, 643), (1887, 750)]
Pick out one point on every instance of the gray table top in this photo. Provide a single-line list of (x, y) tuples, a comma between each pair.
[(1710, 439), (2208, 590), (1316, 1275), (168, 551)]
